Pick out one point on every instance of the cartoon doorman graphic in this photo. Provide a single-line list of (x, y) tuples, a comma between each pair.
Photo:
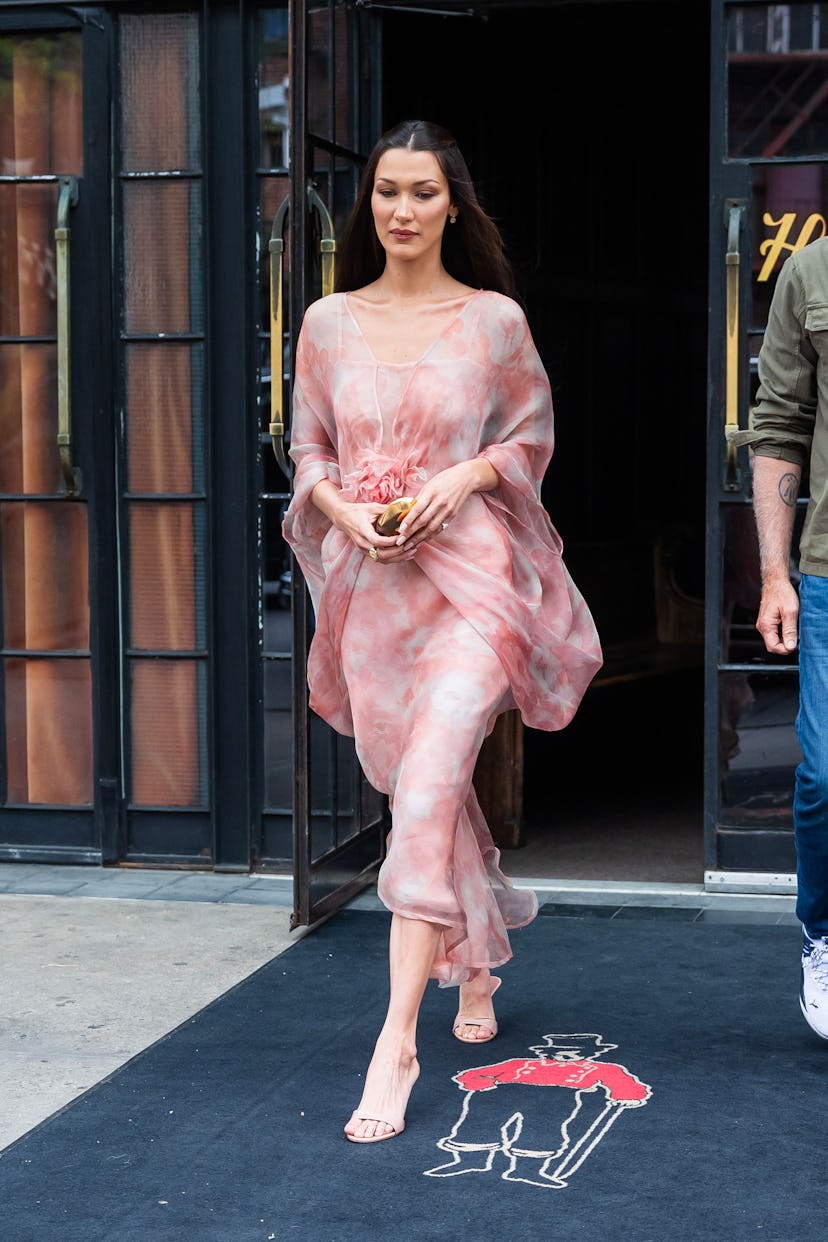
[(544, 1138)]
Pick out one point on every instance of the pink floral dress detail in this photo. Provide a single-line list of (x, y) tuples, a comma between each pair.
[(416, 660)]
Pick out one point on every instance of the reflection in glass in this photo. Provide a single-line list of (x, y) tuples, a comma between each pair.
[(741, 586), (162, 256), (159, 62), (322, 767), (274, 131), (759, 750), (41, 105), (319, 97), (777, 56), (278, 733), (168, 723), (165, 417), (347, 775), (343, 117), (276, 576), (48, 718)]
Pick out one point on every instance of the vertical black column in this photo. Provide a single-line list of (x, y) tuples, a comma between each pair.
[(298, 36), (94, 345), (230, 266)]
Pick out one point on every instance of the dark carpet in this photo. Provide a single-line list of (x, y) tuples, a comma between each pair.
[(229, 1129)]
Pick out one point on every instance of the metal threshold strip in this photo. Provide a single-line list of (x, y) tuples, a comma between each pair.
[(750, 882), (727, 884)]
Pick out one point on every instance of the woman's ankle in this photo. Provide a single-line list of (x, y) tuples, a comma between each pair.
[(398, 1045)]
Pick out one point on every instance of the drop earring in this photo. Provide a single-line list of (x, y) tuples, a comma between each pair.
[(453, 219)]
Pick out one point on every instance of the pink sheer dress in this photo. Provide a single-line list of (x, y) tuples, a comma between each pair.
[(415, 660)]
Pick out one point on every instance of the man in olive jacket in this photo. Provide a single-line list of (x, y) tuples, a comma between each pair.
[(789, 438)]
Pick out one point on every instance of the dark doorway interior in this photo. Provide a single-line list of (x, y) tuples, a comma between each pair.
[(586, 130)]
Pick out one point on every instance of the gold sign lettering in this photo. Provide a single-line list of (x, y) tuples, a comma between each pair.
[(772, 247)]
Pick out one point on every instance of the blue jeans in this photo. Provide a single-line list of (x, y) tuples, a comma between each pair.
[(811, 791)]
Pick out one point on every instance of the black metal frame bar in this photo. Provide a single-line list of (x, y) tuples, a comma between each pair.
[(232, 447)]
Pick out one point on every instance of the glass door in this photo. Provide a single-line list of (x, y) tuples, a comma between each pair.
[(311, 155), (125, 474), (769, 173), (58, 766)]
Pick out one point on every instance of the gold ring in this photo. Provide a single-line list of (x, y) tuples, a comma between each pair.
[(374, 554)]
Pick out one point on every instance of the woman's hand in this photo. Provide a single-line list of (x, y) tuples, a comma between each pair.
[(441, 499), (354, 518), (438, 502)]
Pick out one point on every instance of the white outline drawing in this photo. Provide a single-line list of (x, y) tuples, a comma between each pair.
[(558, 1147)]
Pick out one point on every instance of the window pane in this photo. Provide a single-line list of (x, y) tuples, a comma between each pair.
[(160, 92), (319, 94), (274, 130), (41, 105), (48, 713), (168, 714), (759, 749), (165, 417), (788, 211), (742, 587), (29, 460), (162, 256), (28, 214), (45, 576), (278, 733), (167, 584), (777, 62)]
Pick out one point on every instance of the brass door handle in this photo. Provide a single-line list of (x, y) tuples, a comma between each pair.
[(276, 249), (327, 241), (67, 198), (732, 481)]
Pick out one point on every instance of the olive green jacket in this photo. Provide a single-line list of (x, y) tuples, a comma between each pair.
[(790, 418)]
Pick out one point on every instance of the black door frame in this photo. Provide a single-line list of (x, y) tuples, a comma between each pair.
[(325, 877), (73, 834), (760, 858), (101, 833)]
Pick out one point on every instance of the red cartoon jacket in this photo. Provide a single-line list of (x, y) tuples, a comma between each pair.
[(619, 1084)]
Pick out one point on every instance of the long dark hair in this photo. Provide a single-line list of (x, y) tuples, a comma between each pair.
[(472, 247)]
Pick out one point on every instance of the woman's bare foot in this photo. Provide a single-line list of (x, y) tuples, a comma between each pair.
[(476, 999), (391, 1075)]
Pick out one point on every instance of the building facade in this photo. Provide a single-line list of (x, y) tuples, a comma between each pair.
[(173, 178)]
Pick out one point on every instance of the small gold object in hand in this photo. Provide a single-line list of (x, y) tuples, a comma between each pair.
[(374, 554), (388, 522)]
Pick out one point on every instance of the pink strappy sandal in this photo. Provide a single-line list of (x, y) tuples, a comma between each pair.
[(489, 1024), (397, 1123)]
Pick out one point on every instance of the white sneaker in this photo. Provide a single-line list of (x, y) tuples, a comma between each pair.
[(813, 994)]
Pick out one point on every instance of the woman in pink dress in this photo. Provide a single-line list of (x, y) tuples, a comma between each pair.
[(419, 378)]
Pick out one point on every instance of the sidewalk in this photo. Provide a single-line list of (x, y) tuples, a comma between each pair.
[(87, 985)]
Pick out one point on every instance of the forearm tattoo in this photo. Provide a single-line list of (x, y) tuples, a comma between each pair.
[(788, 489)]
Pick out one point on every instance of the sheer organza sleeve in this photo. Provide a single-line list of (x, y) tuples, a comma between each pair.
[(313, 447), (518, 438)]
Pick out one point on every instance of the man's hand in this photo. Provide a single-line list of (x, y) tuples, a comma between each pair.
[(778, 616)]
